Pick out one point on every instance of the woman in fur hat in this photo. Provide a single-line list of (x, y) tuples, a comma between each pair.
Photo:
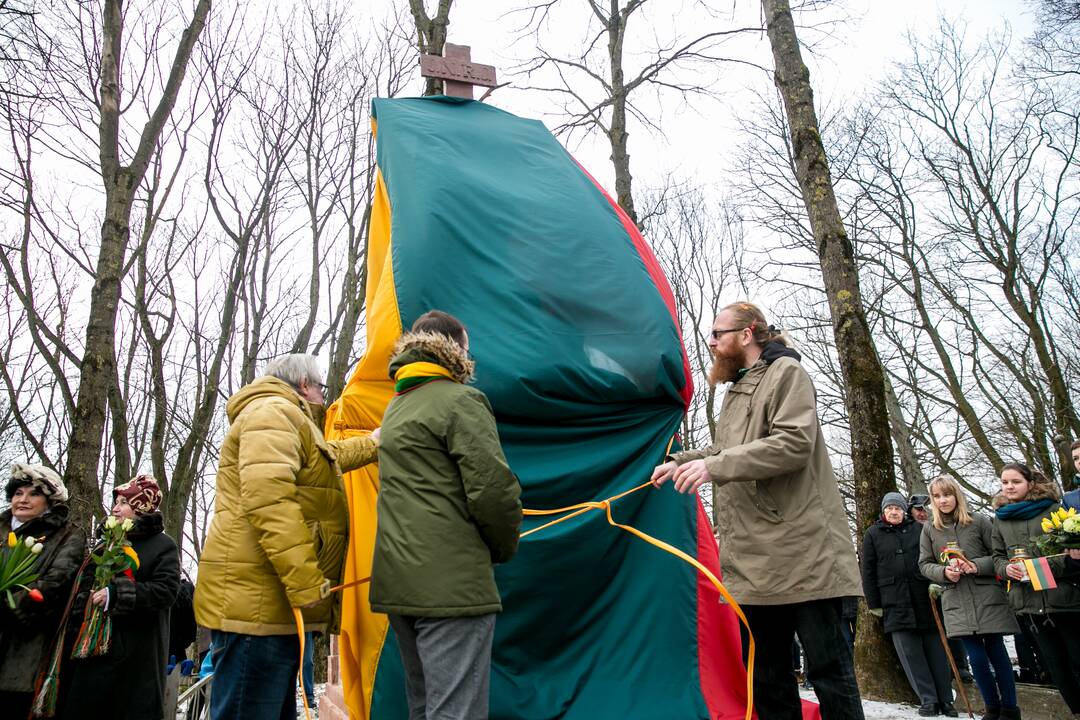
[(128, 682), (1027, 496), (37, 508)]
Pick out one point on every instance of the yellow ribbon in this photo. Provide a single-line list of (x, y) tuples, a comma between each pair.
[(574, 511)]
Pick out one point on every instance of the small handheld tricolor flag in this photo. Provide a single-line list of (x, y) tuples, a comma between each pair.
[(1038, 570)]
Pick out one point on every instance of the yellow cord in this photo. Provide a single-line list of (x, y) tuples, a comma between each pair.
[(574, 511)]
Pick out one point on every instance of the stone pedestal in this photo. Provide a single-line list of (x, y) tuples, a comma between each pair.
[(332, 702)]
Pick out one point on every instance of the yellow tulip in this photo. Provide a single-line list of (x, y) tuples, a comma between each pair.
[(1055, 519), (1047, 526), (12, 541)]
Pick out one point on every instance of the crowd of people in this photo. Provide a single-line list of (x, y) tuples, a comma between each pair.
[(449, 501), (43, 621), (967, 564)]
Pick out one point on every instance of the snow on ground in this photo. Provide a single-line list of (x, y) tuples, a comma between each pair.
[(876, 710)]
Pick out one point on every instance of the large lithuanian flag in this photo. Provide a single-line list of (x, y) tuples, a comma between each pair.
[(572, 324)]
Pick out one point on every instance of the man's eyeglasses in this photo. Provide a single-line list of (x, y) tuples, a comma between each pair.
[(717, 333), (324, 387)]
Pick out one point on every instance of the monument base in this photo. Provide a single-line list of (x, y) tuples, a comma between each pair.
[(332, 701)]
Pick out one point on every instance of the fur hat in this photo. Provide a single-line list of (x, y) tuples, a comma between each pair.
[(893, 498), (39, 476), (142, 494)]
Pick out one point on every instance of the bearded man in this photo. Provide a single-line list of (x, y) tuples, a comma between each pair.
[(785, 547)]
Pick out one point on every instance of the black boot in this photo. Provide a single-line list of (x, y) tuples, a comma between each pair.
[(948, 710), (993, 712), (928, 710), (1012, 713)]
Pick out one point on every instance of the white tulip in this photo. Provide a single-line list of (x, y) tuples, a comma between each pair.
[(30, 542), (127, 524), (38, 547), (112, 522)]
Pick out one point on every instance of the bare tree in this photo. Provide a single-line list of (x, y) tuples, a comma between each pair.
[(597, 90), (98, 388), (700, 245)]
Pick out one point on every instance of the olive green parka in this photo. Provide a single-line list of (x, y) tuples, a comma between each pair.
[(281, 523), (976, 604), (1010, 534), (449, 507)]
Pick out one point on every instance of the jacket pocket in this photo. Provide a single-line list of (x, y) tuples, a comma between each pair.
[(764, 501)]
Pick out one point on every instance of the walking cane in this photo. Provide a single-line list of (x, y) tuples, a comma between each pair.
[(948, 654)]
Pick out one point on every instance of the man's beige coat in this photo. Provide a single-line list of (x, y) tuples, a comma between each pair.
[(784, 535)]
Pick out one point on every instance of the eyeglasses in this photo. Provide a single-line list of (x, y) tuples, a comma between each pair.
[(715, 334), (324, 387)]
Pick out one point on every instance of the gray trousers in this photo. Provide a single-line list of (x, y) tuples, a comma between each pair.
[(925, 665), (447, 665)]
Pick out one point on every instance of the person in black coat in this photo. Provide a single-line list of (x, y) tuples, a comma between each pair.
[(898, 592), (128, 682), (37, 498)]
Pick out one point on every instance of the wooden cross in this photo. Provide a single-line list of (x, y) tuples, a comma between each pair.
[(457, 71)]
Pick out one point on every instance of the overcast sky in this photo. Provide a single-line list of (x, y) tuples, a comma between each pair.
[(859, 54)]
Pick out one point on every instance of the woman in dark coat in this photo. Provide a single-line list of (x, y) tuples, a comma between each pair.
[(37, 497), (896, 590), (128, 682)]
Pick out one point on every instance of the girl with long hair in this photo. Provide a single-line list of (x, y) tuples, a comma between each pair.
[(956, 552)]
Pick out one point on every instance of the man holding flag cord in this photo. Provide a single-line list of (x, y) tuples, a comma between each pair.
[(778, 503), (277, 540)]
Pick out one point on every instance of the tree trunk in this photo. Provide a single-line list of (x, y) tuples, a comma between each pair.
[(617, 134), (431, 36), (901, 434), (97, 372), (864, 380)]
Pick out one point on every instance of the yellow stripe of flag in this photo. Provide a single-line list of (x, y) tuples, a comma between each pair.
[(1038, 570)]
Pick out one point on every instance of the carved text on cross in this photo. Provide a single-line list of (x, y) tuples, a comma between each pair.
[(457, 71)]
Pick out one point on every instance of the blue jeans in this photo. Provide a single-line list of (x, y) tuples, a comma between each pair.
[(829, 665), (997, 686), (307, 670), (254, 676)]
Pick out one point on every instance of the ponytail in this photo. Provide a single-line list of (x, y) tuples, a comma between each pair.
[(750, 316)]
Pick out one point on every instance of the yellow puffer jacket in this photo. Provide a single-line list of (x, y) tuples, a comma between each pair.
[(280, 526)]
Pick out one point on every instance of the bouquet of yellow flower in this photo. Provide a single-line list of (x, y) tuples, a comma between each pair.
[(114, 557), (17, 567), (1061, 532)]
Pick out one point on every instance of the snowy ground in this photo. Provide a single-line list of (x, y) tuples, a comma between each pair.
[(876, 710)]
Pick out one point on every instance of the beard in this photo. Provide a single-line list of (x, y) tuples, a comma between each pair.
[(725, 368)]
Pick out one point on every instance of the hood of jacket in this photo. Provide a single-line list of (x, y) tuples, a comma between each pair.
[(265, 386), (433, 348), (1038, 491), (775, 350)]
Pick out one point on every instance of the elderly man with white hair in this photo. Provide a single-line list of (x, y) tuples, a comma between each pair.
[(277, 540)]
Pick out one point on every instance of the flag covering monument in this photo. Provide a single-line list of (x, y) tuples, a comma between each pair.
[(572, 324)]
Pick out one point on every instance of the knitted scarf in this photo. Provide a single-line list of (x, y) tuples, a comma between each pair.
[(413, 375), (1025, 509)]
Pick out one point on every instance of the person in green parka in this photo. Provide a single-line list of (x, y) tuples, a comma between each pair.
[(449, 509), (1053, 615)]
